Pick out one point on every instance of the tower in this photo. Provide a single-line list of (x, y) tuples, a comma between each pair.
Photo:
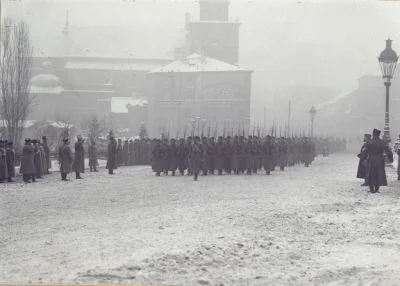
[(215, 34), (66, 37)]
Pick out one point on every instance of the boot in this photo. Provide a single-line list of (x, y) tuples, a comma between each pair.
[(78, 176), (182, 172), (111, 172), (10, 181), (173, 173), (219, 172), (94, 168), (158, 174), (195, 176), (33, 179), (91, 169)]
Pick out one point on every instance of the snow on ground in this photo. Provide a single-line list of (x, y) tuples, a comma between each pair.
[(304, 226)]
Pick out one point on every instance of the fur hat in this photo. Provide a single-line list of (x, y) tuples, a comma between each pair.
[(376, 132)]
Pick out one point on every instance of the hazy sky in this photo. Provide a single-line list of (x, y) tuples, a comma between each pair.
[(324, 43)]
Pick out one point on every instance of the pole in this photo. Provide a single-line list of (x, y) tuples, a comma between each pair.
[(312, 128), (386, 130), (288, 126), (265, 117)]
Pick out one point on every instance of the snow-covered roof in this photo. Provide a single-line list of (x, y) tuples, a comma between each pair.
[(109, 65), (45, 90), (198, 63), (121, 104), (45, 80), (27, 123)]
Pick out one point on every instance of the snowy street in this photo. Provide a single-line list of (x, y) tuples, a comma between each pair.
[(304, 226)]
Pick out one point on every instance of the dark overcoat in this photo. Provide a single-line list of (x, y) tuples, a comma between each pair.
[(249, 155), (182, 157), (375, 149), (47, 152), (268, 156), (196, 155), (66, 159), (361, 170), (125, 151), (173, 157), (10, 162), (27, 160), (93, 162), (38, 161), (79, 158), (112, 159), (158, 158), (283, 154), (3, 164), (219, 161)]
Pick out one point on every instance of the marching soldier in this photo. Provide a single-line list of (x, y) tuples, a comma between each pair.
[(196, 155), (249, 155), (268, 154), (131, 153), (228, 155), (363, 164), (182, 158), (282, 151), (37, 160), (219, 161), (158, 158), (173, 157), (206, 156), (211, 156), (125, 151)]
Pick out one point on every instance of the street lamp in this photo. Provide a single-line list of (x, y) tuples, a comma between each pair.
[(312, 112), (388, 61)]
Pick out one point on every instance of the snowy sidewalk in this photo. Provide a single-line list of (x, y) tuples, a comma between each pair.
[(304, 226)]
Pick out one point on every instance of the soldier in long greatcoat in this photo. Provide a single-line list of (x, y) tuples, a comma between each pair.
[(79, 158), (37, 160), (228, 155), (3, 162), (158, 158), (27, 168), (182, 159), (283, 154), (219, 151), (93, 161), (66, 159), (211, 155), (363, 163), (397, 151), (120, 155), (42, 158), (206, 156), (131, 153), (173, 156), (10, 156), (375, 150), (249, 155), (112, 159), (196, 154), (47, 152), (187, 154), (268, 151), (125, 151), (237, 152)]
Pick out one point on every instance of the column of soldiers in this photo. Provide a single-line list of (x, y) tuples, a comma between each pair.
[(230, 155), (134, 152)]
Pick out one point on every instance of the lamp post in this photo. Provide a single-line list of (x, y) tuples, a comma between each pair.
[(312, 112), (388, 61)]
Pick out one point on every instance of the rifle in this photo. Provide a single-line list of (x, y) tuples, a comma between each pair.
[(208, 132), (216, 130), (184, 133)]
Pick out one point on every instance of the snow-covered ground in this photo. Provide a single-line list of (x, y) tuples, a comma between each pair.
[(304, 226)]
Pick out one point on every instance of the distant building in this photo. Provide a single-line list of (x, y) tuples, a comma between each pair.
[(214, 33), (197, 87)]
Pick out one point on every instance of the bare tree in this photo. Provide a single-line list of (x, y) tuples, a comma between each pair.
[(15, 62)]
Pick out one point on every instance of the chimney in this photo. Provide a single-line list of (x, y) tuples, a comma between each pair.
[(187, 20)]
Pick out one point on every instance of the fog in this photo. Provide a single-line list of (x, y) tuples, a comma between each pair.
[(322, 46)]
